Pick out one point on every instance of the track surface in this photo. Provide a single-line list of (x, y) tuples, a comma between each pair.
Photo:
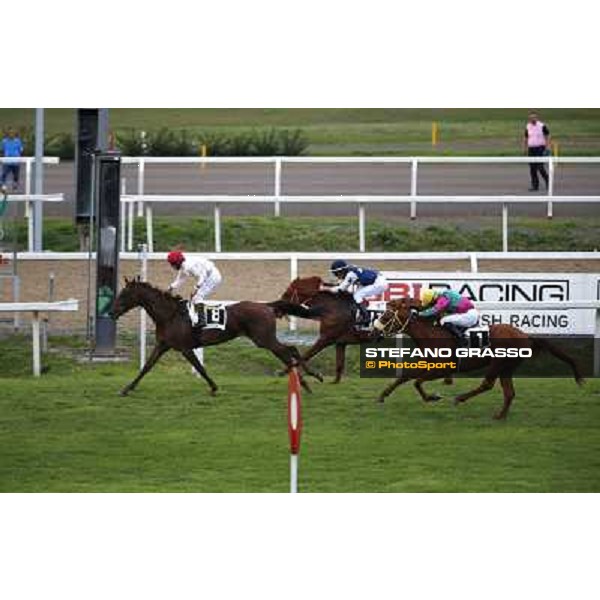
[(350, 179)]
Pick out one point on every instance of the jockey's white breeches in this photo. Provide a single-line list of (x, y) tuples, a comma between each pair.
[(466, 319), (207, 287), (379, 286)]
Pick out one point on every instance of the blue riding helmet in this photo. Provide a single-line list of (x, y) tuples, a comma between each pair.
[(338, 265)]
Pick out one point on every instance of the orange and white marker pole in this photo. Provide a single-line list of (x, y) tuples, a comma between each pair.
[(294, 425)]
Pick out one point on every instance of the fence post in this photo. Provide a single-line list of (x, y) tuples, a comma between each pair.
[(597, 345), (504, 227), (293, 322), (149, 227), (123, 213), (217, 212), (140, 186), (474, 265), (144, 276), (361, 227), (413, 187), (28, 206), (550, 185), (277, 210)]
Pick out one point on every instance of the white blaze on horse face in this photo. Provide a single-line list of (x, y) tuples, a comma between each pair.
[(377, 324)]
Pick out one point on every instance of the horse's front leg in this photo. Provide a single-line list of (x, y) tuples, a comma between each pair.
[(156, 353), (189, 354), (340, 361)]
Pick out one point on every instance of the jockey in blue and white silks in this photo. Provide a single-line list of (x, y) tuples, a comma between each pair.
[(367, 282)]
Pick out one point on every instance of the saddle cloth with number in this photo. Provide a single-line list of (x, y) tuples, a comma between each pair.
[(215, 315)]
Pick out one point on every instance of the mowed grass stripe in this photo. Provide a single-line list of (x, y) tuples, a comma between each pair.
[(70, 431)]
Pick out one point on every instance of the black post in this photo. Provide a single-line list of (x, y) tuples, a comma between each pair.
[(107, 194)]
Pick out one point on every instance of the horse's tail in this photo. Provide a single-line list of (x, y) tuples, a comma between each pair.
[(281, 307), (542, 344)]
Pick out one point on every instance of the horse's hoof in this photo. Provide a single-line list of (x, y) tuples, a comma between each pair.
[(213, 392), (335, 382), (124, 393), (433, 398), (380, 400), (448, 381), (500, 416), (458, 400), (319, 377)]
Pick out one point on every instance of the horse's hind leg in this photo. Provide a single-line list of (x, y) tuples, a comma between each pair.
[(193, 359), (288, 356), (300, 360), (509, 394), (156, 353)]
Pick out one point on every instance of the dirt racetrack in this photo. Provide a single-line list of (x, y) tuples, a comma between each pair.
[(242, 280)]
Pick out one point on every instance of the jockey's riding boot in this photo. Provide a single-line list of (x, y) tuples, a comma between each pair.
[(363, 318), (200, 312), (456, 331)]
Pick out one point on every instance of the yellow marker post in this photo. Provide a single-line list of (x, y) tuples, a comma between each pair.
[(434, 134), (555, 148), (203, 153)]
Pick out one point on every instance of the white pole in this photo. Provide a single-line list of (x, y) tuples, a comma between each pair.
[(35, 331), (550, 185), (474, 266), (140, 186), (361, 227), (149, 228), (144, 277), (123, 214), (38, 215), (504, 227), (293, 321), (413, 188), (597, 345), (293, 473), (28, 214), (277, 186), (130, 219), (217, 212)]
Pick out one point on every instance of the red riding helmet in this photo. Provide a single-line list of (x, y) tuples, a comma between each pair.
[(175, 258)]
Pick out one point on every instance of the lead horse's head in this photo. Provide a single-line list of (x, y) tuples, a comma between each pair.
[(397, 316), (302, 289), (128, 297)]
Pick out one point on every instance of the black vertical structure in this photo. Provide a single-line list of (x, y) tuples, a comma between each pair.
[(87, 143), (107, 177)]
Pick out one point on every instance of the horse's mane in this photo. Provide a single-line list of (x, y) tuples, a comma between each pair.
[(178, 303)]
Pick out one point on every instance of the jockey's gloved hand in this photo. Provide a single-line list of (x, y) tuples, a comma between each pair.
[(414, 312)]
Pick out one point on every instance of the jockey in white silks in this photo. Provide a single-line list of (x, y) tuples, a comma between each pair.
[(207, 278), (203, 270), (368, 282)]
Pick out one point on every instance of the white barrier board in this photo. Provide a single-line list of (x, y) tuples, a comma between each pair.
[(510, 288)]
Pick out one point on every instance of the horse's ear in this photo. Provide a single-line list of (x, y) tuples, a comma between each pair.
[(126, 280), (138, 278)]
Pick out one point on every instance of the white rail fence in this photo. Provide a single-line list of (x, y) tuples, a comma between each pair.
[(360, 201), (28, 197), (145, 201)]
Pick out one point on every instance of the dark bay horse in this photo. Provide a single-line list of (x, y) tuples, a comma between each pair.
[(336, 313), (399, 317), (174, 329)]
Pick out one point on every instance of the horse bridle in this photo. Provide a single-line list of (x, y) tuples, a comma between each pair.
[(396, 319)]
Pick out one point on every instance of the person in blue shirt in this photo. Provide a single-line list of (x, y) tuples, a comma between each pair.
[(364, 282), (12, 147)]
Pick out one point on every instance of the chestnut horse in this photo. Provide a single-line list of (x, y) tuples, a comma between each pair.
[(174, 329), (336, 313), (399, 317)]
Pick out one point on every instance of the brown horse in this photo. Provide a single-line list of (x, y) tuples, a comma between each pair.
[(399, 317), (174, 329), (336, 312)]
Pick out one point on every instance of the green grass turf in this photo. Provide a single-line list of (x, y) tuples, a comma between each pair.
[(358, 131), (340, 234), (70, 431)]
